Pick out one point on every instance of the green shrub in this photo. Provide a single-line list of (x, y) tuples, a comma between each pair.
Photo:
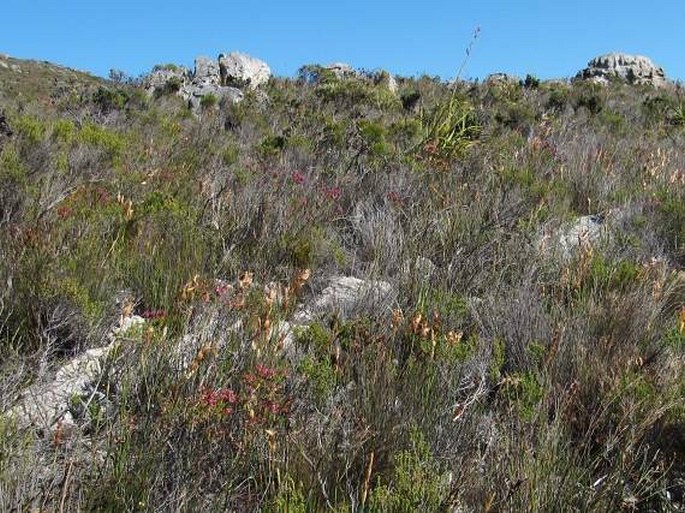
[(111, 142), (558, 99), (108, 100), (531, 82), (64, 131), (30, 127), (374, 136), (417, 483), (524, 391), (676, 114)]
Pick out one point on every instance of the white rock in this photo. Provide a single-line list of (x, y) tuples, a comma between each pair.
[(341, 70), (583, 232), (47, 405), (501, 78), (421, 267), (194, 93), (343, 295), (241, 70)]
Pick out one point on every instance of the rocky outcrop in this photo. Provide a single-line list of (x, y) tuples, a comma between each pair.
[(632, 69), (4, 58), (196, 93), (387, 80), (316, 74), (242, 71), (341, 70), (220, 79)]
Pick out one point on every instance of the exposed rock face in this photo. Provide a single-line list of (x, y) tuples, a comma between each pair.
[(567, 240), (385, 79), (206, 71), (633, 69), (240, 70), (194, 93), (63, 403), (422, 268), (586, 230)]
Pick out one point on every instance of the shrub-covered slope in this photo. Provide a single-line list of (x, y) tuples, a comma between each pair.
[(526, 353)]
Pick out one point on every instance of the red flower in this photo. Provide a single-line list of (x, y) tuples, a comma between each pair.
[(333, 193), (265, 372), (229, 396), (219, 397), (298, 178)]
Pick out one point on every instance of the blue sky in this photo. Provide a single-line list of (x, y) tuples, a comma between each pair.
[(547, 38)]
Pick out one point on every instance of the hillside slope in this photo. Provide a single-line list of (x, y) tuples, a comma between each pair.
[(335, 295)]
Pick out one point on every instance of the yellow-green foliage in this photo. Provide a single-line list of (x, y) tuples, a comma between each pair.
[(31, 128), (416, 484)]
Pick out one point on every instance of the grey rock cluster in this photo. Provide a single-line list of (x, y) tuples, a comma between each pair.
[(567, 240), (4, 64), (632, 69), (223, 78), (166, 79)]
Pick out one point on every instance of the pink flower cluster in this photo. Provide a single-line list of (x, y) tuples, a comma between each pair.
[(333, 193), (151, 315), (223, 398)]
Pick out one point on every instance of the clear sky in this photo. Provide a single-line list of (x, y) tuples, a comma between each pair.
[(547, 38)]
